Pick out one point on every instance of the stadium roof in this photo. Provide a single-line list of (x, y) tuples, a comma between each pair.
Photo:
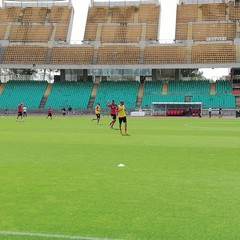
[(202, 1), (36, 3), (123, 3)]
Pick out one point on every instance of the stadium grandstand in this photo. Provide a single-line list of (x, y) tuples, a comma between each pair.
[(120, 56)]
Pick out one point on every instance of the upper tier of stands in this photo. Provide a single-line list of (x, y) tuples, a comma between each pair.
[(212, 53), (72, 54), (202, 31), (199, 22), (165, 54), (122, 33), (30, 33), (121, 54), (34, 24), (26, 54), (54, 14), (118, 54), (122, 24)]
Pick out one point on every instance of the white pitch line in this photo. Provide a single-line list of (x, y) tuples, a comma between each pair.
[(43, 235)]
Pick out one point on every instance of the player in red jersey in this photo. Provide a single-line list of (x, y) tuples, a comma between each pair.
[(20, 111), (49, 113), (113, 111)]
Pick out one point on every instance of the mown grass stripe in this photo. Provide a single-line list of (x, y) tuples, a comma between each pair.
[(59, 236)]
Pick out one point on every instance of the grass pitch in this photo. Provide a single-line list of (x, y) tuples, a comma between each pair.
[(180, 180)]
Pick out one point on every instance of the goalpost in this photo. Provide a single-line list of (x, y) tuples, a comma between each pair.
[(176, 108)]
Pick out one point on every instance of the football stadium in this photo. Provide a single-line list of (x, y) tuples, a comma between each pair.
[(160, 162)]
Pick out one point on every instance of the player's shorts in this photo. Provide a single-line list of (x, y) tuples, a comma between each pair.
[(20, 114), (122, 119), (98, 115), (114, 116), (49, 115)]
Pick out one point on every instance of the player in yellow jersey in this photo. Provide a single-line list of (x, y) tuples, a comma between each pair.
[(97, 112), (122, 117)]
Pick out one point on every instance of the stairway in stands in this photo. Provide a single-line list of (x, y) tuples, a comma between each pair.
[(93, 94), (45, 96), (139, 97)]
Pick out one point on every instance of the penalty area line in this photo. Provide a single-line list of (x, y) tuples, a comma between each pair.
[(59, 236)]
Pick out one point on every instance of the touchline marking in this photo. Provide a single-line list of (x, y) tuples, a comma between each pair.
[(43, 235)]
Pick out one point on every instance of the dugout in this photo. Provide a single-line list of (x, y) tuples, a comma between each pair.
[(176, 108), (237, 114)]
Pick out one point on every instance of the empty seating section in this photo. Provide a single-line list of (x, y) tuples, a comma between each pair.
[(123, 14), (122, 24), (25, 54), (60, 14), (151, 32), (2, 30), (198, 91), (30, 33), (76, 94), (181, 31), (9, 14), (189, 87), (121, 90), (202, 31), (148, 13), (90, 32), (165, 54), (201, 21), (214, 12), (201, 12), (28, 92), (223, 87), (215, 101), (61, 33), (98, 14), (190, 9), (121, 33), (212, 53), (152, 92), (34, 14), (35, 24), (234, 11), (72, 55), (118, 54), (54, 14)]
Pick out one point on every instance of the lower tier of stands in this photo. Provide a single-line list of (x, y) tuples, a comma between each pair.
[(75, 94), (83, 95), (28, 92), (118, 91)]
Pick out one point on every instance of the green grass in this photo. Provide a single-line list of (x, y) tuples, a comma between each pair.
[(180, 180)]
